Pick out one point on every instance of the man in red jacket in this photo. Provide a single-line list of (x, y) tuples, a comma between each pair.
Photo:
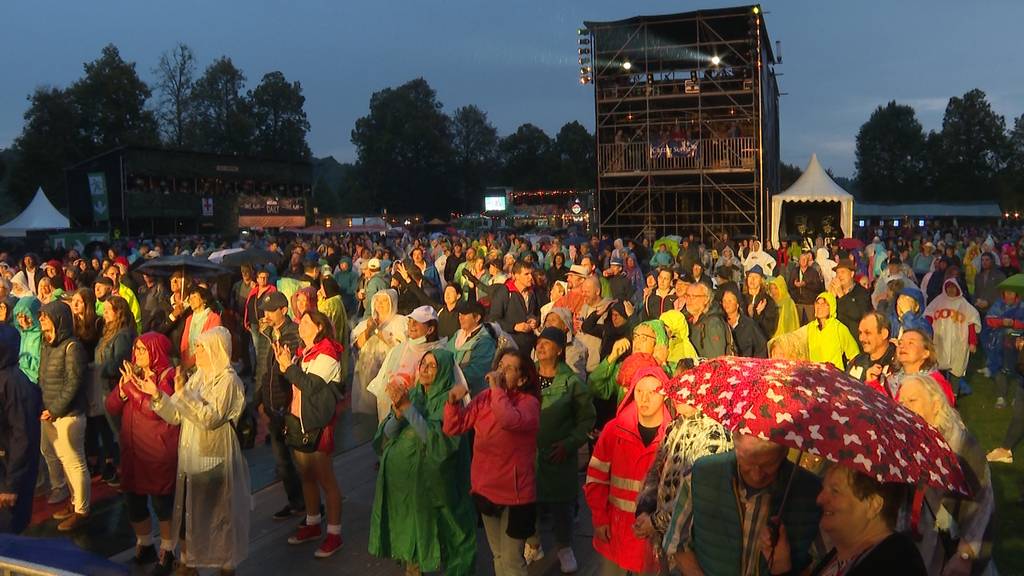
[(623, 453)]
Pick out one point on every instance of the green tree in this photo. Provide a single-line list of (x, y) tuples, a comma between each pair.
[(175, 74), (574, 149), (475, 141), (972, 147), (405, 150), (224, 122), (890, 154), (788, 174), (528, 158), (111, 104), (280, 120), (49, 142), (1015, 147)]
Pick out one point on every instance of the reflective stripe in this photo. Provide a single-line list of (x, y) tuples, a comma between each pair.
[(626, 483), (600, 464), (624, 505), (593, 480)]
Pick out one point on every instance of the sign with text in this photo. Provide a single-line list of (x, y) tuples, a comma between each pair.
[(98, 194)]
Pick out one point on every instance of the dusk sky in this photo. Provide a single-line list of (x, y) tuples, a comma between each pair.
[(517, 60)]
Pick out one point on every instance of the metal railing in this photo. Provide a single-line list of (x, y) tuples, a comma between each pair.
[(707, 153)]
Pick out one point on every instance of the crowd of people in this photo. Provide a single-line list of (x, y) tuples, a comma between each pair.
[(507, 374)]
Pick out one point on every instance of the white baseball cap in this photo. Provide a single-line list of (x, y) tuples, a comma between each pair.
[(423, 314)]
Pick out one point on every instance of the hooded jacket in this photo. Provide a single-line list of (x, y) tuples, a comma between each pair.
[(149, 444), (31, 337), (956, 325), (62, 365), (789, 319), (679, 345), (830, 340), (616, 473), (910, 320), (20, 405)]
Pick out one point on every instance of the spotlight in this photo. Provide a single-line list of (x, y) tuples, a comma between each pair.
[(584, 50), (584, 41), (627, 65), (584, 60), (585, 80), (715, 60), (582, 31), (585, 70), (757, 9)]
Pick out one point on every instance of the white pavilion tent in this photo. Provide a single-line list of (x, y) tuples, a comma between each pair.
[(814, 185), (38, 215)]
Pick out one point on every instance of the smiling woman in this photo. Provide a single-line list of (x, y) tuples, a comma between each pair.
[(859, 515)]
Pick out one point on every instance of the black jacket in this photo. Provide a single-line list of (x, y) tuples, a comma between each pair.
[(620, 287), (767, 319), (814, 285), (62, 365), (897, 554), (20, 406), (270, 385), (858, 367), (750, 340), (510, 308), (411, 295), (853, 306), (447, 322)]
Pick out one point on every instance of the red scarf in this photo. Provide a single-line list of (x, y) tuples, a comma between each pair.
[(326, 346)]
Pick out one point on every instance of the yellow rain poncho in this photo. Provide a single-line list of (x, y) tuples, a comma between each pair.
[(679, 345), (830, 341), (789, 320)]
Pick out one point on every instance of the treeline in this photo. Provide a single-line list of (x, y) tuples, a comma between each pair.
[(111, 106), (412, 157), (974, 156)]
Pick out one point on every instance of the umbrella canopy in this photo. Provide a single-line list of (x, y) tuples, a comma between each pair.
[(190, 265), (220, 254), (817, 409), (252, 256), (1014, 283), (671, 244), (850, 244)]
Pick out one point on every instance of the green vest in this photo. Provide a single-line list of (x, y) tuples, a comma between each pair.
[(717, 537)]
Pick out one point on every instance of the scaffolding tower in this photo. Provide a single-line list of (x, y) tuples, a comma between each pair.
[(687, 122)]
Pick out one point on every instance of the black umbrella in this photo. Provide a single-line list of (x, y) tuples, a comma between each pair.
[(190, 265), (252, 256)]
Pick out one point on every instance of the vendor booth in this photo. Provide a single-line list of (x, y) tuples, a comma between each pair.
[(813, 206)]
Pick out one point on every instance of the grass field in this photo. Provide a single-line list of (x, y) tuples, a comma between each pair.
[(989, 425)]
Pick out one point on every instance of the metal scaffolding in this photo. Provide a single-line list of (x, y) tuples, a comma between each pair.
[(686, 112)]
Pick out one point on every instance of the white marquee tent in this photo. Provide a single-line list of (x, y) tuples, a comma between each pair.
[(38, 215), (814, 185)]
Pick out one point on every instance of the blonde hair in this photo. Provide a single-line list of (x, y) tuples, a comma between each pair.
[(948, 420)]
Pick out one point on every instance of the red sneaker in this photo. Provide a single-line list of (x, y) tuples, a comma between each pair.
[(329, 546), (305, 533)]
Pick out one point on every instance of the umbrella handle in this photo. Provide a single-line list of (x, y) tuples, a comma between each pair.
[(775, 522)]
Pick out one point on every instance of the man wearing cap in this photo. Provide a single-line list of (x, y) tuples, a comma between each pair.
[(922, 263), (852, 300), (373, 282), (473, 346), (515, 308), (805, 284), (618, 285), (275, 393), (421, 337)]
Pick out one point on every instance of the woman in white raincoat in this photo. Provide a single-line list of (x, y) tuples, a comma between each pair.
[(422, 337), (758, 257), (372, 339), (956, 324), (212, 499)]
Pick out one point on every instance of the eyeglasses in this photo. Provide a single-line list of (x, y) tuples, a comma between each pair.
[(700, 296)]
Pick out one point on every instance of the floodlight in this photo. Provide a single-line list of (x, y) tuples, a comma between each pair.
[(715, 60), (627, 65), (757, 9)]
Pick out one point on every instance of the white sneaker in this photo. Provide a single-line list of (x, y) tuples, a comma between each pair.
[(567, 561), (984, 372), (1000, 402), (57, 496), (531, 554)]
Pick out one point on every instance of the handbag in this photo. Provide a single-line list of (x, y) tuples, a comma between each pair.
[(298, 439)]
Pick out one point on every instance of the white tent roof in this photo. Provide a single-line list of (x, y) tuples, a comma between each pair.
[(814, 185), (38, 215)]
